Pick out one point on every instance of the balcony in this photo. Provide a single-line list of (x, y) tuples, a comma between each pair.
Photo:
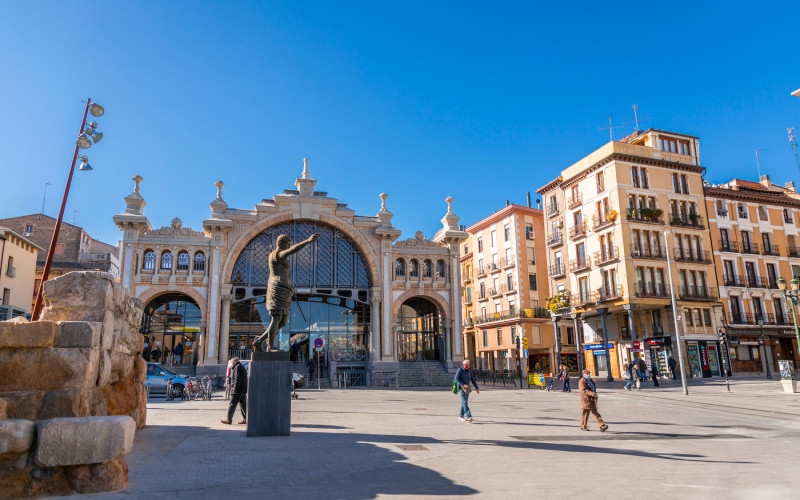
[(506, 263), (526, 313), (574, 202), (742, 214), (579, 265), (792, 251), (648, 251), (748, 247), (492, 267), (686, 255), (556, 271), (552, 209), (494, 292), (481, 272), (606, 255), (581, 299), (696, 293), (603, 220), (722, 213), (755, 282), (788, 219), (652, 290), (604, 294), (555, 239), (506, 289), (781, 320), (578, 231), (647, 215), (468, 323), (732, 280), (738, 318), (771, 250), (691, 220), (728, 246), (482, 296)]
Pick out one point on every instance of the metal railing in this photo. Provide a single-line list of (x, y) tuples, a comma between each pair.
[(578, 231), (728, 246), (687, 255), (657, 290), (648, 215), (771, 250), (756, 282), (606, 255), (733, 280), (696, 293), (793, 251), (487, 377), (528, 312), (686, 220), (557, 270), (599, 221), (552, 209), (555, 239), (749, 247), (580, 264), (603, 294), (648, 251), (574, 202)]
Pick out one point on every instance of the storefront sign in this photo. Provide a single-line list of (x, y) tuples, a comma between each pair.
[(659, 341), (600, 352), (733, 342), (594, 347)]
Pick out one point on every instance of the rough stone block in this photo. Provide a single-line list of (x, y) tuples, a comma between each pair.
[(66, 403), (21, 335), (87, 440), (3, 409), (47, 369), (16, 437), (121, 365), (23, 404), (78, 334), (139, 369), (96, 478), (103, 369), (78, 296)]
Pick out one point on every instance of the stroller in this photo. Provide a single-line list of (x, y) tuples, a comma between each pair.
[(297, 380), (549, 386)]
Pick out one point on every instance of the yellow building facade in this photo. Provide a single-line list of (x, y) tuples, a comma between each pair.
[(17, 276)]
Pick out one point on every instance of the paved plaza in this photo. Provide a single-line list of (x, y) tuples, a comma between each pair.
[(383, 443)]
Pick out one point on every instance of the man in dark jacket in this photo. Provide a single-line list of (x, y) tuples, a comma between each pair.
[(238, 392), (465, 376)]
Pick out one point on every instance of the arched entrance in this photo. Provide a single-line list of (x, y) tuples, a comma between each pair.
[(169, 320), (332, 284), (420, 336)]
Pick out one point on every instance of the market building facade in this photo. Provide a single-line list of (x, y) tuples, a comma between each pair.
[(378, 305)]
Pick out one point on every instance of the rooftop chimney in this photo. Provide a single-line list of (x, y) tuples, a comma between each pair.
[(790, 186), (539, 204), (529, 199), (764, 180)]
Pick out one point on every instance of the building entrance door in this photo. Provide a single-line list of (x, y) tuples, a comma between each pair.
[(420, 336)]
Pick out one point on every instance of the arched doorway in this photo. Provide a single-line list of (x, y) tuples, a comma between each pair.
[(420, 336), (169, 320), (332, 284)]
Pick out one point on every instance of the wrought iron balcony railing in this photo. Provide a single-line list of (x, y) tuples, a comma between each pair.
[(728, 246), (648, 215), (648, 251), (696, 293), (687, 255), (606, 255), (556, 271), (653, 290), (691, 220), (749, 247), (578, 265), (555, 239)]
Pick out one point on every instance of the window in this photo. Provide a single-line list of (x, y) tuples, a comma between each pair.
[(762, 213), (635, 176), (399, 268), (427, 268), (480, 244), (440, 269), (149, 260), (601, 182), (10, 271), (480, 266), (6, 296), (528, 232), (510, 282), (469, 294), (483, 291), (413, 268), (29, 229), (493, 238), (532, 281), (507, 232), (741, 210), (166, 260), (499, 336), (199, 261), (645, 181), (707, 317), (183, 261), (485, 338)]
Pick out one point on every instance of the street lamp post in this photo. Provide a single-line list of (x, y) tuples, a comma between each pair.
[(86, 132), (763, 343), (675, 317), (557, 339), (791, 297), (723, 340)]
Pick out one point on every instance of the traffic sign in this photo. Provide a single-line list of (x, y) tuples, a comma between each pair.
[(525, 353), (637, 344), (318, 342)]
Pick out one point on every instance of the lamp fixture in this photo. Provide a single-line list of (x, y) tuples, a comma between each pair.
[(84, 163), (91, 131), (96, 109), (83, 141)]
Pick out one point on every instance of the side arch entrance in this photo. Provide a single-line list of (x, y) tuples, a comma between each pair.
[(171, 326), (421, 336)]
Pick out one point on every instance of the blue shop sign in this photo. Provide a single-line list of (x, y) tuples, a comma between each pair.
[(594, 347)]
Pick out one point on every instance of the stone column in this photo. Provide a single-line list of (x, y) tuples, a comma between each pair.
[(375, 325), (387, 331), (224, 330), (201, 342), (455, 306), (213, 307), (557, 343), (127, 265), (578, 341)]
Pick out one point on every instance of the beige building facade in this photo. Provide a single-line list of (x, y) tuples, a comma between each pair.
[(624, 224), (17, 273), (504, 269), (377, 304)]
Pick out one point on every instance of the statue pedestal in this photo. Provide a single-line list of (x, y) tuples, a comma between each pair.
[(269, 394)]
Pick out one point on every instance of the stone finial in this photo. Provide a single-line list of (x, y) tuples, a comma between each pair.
[(383, 197), (305, 169), (449, 201), (137, 179), (219, 185)]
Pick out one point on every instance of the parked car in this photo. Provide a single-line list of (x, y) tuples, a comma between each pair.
[(158, 376)]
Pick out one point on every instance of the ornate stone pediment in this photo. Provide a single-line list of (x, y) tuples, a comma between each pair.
[(419, 240), (176, 229)]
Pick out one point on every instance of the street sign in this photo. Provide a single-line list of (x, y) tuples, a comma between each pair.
[(525, 353), (318, 349), (594, 347), (318, 343), (636, 344)]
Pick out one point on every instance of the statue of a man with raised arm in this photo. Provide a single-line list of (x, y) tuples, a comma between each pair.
[(279, 290)]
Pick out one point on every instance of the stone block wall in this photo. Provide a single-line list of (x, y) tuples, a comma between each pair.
[(71, 390)]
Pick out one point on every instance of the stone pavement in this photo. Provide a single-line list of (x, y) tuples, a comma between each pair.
[(384, 443)]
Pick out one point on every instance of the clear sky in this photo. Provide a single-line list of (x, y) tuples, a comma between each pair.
[(482, 101)]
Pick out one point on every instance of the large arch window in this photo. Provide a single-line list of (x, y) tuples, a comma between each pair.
[(413, 268), (199, 261), (166, 260), (420, 335), (399, 268), (441, 269), (149, 260), (171, 321), (427, 268), (183, 261)]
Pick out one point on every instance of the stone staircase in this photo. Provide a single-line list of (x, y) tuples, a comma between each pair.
[(423, 374), (302, 368), (185, 370)]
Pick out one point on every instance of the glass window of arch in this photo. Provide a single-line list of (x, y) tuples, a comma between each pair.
[(199, 261), (440, 269), (399, 267), (166, 259), (413, 268), (427, 268), (149, 260), (183, 261)]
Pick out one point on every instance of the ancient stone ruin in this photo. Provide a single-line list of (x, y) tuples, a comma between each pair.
[(71, 390)]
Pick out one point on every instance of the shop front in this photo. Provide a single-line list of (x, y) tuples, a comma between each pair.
[(702, 356), (596, 360), (659, 350)]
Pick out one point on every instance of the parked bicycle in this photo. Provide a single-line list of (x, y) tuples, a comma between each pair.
[(198, 387)]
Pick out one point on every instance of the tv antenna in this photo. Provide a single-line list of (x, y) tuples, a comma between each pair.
[(636, 116), (610, 128), (793, 142), (758, 164), (44, 196)]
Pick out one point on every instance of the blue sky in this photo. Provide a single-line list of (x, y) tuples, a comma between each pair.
[(482, 101)]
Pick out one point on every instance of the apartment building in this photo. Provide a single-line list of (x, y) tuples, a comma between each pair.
[(624, 224), (755, 227), (17, 271), (504, 276)]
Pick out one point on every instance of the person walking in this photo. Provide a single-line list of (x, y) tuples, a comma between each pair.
[(654, 371), (629, 378), (672, 364), (228, 373), (588, 393), (312, 365), (178, 353), (238, 391), (564, 376), (636, 375), (465, 376), (155, 355)]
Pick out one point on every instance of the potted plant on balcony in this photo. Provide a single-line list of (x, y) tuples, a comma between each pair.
[(695, 218), (558, 301), (612, 215)]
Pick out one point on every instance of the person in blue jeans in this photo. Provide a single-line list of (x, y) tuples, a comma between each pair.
[(629, 383), (463, 377)]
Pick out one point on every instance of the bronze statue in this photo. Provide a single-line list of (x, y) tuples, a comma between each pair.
[(279, 290)]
